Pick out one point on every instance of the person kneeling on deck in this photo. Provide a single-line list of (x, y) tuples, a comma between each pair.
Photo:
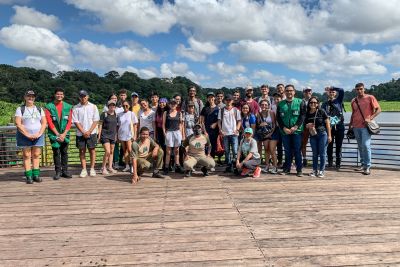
[(196, 145), (248, 157), (146, 153)]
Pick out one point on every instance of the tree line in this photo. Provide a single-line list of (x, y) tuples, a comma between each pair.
[(14, 81)]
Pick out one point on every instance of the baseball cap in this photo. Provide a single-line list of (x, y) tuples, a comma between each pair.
[(308, 88), (249, 87), (248, 130), (30, 92), (134, 94), (210, 94), (83, 93), (228, 97), (111, 102)]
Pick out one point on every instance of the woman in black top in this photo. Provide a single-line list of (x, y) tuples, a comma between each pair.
[(209, 121), (317, 122)]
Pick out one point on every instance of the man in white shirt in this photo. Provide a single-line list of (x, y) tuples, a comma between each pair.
[(229, 122), (85, 115)]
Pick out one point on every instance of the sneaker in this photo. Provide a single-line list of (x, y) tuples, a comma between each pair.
[(37, 179), (284, 172), (127, 169), (265, 170), (92, 172), (359, 169), (367, 171), (305, 162), (204, 171), (321, 174), (273, 170), (157, 174), (104, 171), (188, 173), (299, 174), (83, 173), (29, 180), (178, 169), (245, 171), (228, 169), (257, 172), (212, 170), (313, 174), (112, 170)]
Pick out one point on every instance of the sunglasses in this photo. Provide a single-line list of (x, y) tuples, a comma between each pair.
[(126, 106)]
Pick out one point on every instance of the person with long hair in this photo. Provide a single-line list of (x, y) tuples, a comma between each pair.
[(127, 126), (31, 124), (158, 123), (318, 124), (248, 119), (146, 117), (108, 136)]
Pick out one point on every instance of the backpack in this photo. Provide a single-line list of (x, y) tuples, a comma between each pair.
[(335, 115), (23, 110)]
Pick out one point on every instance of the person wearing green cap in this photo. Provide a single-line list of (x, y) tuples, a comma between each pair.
[(248, 159)]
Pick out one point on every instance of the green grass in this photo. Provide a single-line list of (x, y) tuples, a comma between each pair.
[(385, 106)]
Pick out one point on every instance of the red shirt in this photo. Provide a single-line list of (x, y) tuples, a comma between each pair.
[(368, 104), (59, 107), (253, 105)]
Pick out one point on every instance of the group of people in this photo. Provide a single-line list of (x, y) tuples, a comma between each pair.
[(181, 135)]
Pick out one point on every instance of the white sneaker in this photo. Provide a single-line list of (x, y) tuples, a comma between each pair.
[(83, 173), (127, 169), (92, 172), (321, 174), (273, 170), (104, 171), (265, 170), (112, 170), (212, 170), (313, 174)]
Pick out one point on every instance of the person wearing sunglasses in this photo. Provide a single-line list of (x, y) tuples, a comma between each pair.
[(318, 125)]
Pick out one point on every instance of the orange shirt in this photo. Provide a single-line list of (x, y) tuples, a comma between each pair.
[(368, 104)]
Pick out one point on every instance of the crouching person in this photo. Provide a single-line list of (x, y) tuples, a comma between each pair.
[(249, 159), (196, 145), (146, 154)]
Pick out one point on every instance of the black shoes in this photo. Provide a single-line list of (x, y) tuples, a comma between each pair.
[(29, 180), (205, 171), (178, 169), (188, 173), (37, 179), (299, 174), (229, 169), (57, 176), (166, 170), (305, 162), (66, 175), (157, 175)]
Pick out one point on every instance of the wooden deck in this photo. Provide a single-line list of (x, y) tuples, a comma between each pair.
[(345, 219)]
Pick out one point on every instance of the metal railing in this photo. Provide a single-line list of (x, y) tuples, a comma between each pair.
[(385, 149)]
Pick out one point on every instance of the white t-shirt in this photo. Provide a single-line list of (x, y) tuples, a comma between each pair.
[(229, 120), (117, 109), (31, 118), (147, 120), (85, 115), (124, 125)]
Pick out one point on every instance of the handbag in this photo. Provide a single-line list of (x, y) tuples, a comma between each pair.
[(263, 132), (312, 130), (372, 126), (220, 150)]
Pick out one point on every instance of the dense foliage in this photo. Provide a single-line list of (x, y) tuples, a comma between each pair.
[(15, 80)]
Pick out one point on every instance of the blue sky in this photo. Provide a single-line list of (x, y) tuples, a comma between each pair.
[(212, 42)]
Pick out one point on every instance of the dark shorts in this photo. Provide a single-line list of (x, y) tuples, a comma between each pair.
[(90, 142), (104, 140), (23, 141), (276, 136)]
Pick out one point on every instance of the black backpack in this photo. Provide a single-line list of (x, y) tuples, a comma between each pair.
[(23, 107)]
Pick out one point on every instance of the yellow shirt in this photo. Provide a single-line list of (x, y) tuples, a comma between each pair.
[(136, 109)]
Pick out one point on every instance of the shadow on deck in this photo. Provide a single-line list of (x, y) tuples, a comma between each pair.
[(344, 219)]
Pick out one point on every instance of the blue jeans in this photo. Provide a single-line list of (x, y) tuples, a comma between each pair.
[(363, 138), (292, 146), (230, 141), (319, 144)]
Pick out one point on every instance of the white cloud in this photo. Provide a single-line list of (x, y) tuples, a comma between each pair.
[(36, 42), (43, 63), (393, 57), (30, 16), (146, 73), (101, 56), (267, 77), (180, 69), (225, 69), (11, 2), (197, 51), (396, 75), (143, 17), (237, 80)]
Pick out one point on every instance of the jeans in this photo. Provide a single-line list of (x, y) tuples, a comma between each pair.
[(213, 135), (230, 141), (60, 158), (319, 143), (337, 138), (363, 138), (292, 147)]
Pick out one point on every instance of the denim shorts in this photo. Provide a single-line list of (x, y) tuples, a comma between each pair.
[(23, 141), (276, 135)]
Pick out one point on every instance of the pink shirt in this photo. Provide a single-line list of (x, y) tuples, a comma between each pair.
[(368, 104)]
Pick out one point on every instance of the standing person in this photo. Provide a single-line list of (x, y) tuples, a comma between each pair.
[(31, 124), (279, 147), (146, 117), (198, 104), (219, 99), (196, 145), (135, 104), (209, 121), (229, 123), (145, 153), (127, 127), (248, 119), (249, 160), (122, 96), (189, 120), (173, 132), (266, 123), (335, 111), (154, 100), (254, 107), (158, 123), (113, 97), (280, 89), (307, 93), (118, 152), (59, 119), (108, 135), (265, 96), (178, 99), (290, 117), (364, 108), (317, 122), (85, 115), (236, 99)]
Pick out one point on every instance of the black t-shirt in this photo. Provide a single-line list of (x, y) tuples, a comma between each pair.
[(109, 126), (320, 125), (210, 116)]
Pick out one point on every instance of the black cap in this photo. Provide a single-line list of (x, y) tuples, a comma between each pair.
[(210, 94), (30, 92), (83, 93), (228, 97)]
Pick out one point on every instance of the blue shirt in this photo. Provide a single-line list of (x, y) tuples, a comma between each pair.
[(248, 120)]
